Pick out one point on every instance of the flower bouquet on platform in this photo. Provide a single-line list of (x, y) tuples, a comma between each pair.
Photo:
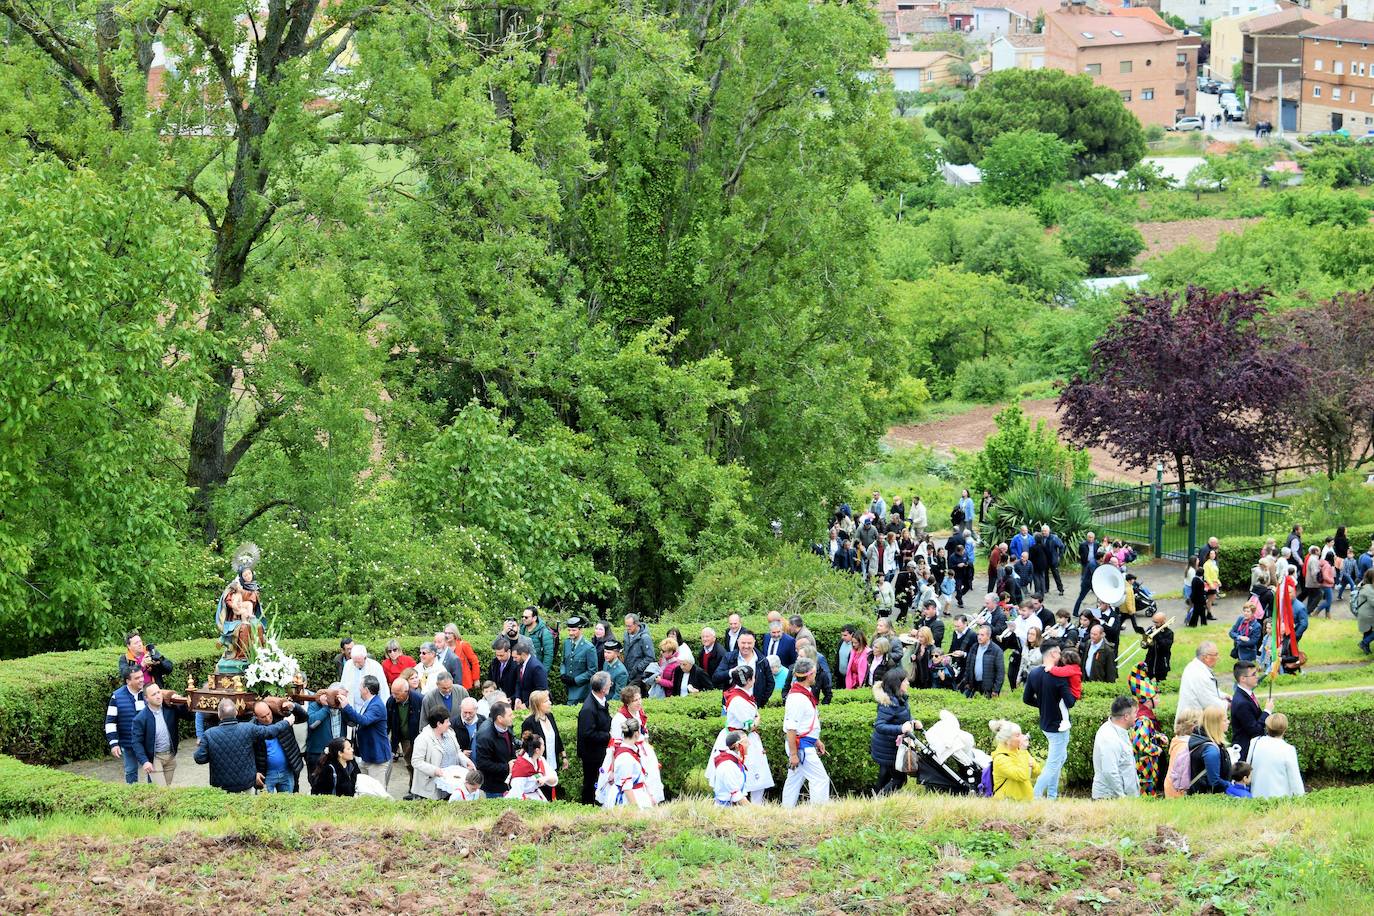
[(271, 672)]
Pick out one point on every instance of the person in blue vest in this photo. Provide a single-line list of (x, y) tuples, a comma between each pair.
[(324, 723), (579, 661), (368, 712), (125, 704)]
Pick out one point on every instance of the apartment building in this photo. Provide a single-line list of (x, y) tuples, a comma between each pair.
[(1152, 66), (1337, 77)]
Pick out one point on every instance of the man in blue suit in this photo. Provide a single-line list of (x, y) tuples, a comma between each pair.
[(746, 654), (368, 712), (531, 675), (155, 734), (228, 748), (778, 643)]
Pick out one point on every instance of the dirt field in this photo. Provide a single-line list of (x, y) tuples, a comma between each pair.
[(1161, 238), (968, 432)]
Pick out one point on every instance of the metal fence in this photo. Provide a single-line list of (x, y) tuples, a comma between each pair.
[(1168, 522)]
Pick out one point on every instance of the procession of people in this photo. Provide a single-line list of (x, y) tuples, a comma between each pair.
[(449, 729)]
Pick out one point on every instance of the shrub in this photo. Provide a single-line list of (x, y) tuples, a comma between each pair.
[(1042, 501), (983, 380), (1017, 444), (1101, 241), (906, 399), (788, 581), (1326, 503), (1322, 206)]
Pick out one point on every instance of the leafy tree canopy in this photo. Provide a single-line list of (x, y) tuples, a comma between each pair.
[(1093, 119), (1020, 165)]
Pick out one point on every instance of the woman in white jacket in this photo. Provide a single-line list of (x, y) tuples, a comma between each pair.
[(1275, 762), (438, 761)]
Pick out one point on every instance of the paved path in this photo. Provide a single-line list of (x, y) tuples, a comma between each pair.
[(190, 773)]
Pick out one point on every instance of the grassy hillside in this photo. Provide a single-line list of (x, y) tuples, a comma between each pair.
[(912, 853)]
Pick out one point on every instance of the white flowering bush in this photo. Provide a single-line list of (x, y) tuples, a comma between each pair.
[(270, 670)]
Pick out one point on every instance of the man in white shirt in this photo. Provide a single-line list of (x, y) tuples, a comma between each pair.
[(1198, 689), (802, 726), (429, 667), (360, 666), (1114, 774), (732, 633)]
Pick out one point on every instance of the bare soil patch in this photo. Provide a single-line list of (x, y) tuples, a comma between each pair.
[(968, 431), (1161, 238)]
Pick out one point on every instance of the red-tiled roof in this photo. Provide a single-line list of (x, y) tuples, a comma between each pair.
[(1343, 30)]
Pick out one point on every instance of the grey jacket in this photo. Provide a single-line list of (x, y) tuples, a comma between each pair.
[(639, 653)]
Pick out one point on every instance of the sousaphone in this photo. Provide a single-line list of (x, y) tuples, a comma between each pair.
[(1109, 585)]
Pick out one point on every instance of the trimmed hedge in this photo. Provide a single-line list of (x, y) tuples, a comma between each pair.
[(1238, 555)]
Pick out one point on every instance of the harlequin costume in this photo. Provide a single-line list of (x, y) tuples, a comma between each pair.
[(1147, 737)]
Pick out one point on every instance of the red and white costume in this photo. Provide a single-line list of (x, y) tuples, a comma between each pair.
[(741, 714)]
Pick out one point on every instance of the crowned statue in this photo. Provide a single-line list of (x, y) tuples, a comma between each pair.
[(238, 616)]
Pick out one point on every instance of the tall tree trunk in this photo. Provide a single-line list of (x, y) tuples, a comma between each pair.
[(1182, 491)]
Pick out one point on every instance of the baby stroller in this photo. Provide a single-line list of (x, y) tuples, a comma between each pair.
[(945, 758)]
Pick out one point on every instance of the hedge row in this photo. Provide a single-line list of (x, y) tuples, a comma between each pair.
[(1331, 734), (1238, 554)]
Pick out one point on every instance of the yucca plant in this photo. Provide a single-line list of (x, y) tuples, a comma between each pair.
[(1041, 501)]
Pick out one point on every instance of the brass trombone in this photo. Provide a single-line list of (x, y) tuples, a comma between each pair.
[(1143, 644)]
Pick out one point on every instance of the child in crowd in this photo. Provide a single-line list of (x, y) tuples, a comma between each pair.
[(1240, 780), (1070, 667), (471, 789)]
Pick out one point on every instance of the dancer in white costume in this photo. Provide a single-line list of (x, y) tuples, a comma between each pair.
[(624, 782), (728, 774), (632, 710), (742, 715), (802, 725)]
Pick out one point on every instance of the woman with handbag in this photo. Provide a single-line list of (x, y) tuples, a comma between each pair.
[(893, 722)]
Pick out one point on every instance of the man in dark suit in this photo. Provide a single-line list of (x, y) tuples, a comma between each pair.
[(593, 734), (711, 654), (1099, 661), (985, 668), (747, 655), (530, 673), (228, 748), (1160, 649), (1087, 564), (930, 617), (496, 749), (503, 669), (155, 746), (1247, 716), (778, 643)]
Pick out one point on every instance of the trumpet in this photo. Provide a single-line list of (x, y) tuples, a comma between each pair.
[(1145, 641), (1054, 632)]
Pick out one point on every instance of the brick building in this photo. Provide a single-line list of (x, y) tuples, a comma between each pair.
[(1151, 65), (1338, 77)]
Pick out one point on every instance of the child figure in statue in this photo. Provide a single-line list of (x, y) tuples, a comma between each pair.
[(240, 630)]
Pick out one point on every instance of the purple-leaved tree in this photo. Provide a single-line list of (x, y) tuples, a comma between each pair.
[(1190, 382)]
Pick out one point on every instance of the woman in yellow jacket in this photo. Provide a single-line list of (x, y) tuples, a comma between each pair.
[(1013, 768)]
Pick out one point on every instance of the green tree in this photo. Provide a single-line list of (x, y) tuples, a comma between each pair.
[(100, 299), (1101, 241), (1093, 119), (1017, 444), (1006, 243), (1021, 164)]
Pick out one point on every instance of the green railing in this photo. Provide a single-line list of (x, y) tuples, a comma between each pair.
[(1172, 523)]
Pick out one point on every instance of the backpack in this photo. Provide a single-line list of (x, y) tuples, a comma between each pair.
[(1180, 776), (985, 784)]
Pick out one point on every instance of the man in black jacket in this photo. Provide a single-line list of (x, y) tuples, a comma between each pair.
[(403, 710), (747, 654), (985, 668), (1052, 696), (228, 748), (496, 748), (466, 724), (930, 617), (593, 734)]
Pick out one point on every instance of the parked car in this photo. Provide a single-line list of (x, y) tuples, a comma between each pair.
[(1233, 110), (1319, 136), (1209, 86), (1192, 122)]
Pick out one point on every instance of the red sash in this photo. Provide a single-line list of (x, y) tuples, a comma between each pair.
[(626, 749), (523, 766), (643, 717), (801, 689), (742, 694), (727, 757)]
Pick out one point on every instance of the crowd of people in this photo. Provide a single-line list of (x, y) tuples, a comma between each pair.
[(451, 730)]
